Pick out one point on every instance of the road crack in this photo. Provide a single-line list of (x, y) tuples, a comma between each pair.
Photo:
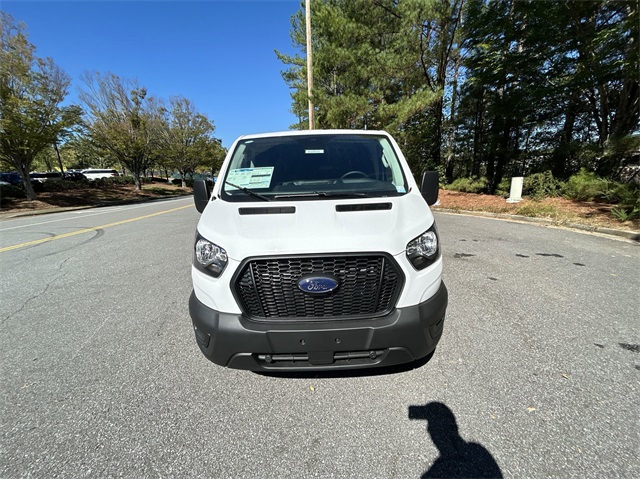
[(36, 296)]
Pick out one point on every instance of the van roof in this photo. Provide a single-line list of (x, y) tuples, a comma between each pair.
[(314, 132)]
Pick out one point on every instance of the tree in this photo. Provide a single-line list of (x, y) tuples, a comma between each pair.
[(123, 120), (82, 153), (214, 157), (548, 82), (504, 87), (32, 90), (379, 64), (187, 137)]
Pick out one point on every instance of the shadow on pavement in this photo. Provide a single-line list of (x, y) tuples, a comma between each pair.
[(458, 458)]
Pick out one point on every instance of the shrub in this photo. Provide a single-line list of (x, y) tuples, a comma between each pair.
[(442, 175), (64, 185), (11, 191), (626, 194), (504, 188), (625, 214), (540, 185), (585, 186), (120, 180), (178, 182), (160, 191), (469, 185), (157, 179)]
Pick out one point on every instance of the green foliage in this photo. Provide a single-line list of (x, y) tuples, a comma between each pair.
[(378, 65), (625, 214), (187, 139), (118, 181), (442, 175), (585, 186), (537, 86), (188, 182), (540, 185), (64, 185), (32, 90), (469, 185), (504, 188), (11, 191), (162, 191), (122, 119)]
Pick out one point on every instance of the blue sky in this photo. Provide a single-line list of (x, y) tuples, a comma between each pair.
[(219, 54)]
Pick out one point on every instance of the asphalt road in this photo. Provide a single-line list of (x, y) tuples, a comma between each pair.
[(537, 374)]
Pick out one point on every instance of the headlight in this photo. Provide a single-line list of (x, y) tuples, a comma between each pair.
[(209, 257), (424, 250)]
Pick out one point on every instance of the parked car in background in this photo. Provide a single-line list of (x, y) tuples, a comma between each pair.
[(96, 174), (44, 177), (11, 178), (74, 175)]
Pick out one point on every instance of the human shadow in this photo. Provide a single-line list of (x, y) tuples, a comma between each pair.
[(458, 458)]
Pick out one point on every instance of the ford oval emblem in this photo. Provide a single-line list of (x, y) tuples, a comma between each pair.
[(318, 284)]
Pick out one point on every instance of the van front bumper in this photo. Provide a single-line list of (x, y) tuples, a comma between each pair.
[(405, 335)]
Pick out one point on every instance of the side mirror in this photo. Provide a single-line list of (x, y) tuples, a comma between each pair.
[(201, 194), (429, 187)]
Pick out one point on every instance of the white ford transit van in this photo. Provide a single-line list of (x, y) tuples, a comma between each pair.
[(316, 250)]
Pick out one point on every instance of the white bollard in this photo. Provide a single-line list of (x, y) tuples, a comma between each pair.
[(515, 195)]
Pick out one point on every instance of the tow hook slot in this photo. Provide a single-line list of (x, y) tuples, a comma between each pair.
[(320, 358)]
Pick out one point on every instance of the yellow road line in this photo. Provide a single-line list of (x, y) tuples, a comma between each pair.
[(88, 230)]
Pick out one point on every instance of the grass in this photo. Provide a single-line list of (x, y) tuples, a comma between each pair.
[(535, 210)]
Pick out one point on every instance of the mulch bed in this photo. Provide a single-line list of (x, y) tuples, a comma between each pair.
[(89, 197), (559, 209)]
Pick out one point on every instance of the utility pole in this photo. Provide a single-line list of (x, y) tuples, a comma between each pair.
[(307, 5)]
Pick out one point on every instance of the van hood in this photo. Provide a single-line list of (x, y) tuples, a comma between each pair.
[(246, 229)]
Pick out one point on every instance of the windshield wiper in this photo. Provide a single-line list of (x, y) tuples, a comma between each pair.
[(325, 194), (348, 194), (312, 194), (248, 191)]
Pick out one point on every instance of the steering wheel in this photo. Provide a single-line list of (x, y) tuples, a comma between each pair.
[(354, 172)]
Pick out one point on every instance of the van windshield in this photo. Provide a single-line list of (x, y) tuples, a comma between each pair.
[(313, 167)]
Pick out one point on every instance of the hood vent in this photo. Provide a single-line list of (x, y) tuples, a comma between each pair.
[(364, 207), (270, 210)]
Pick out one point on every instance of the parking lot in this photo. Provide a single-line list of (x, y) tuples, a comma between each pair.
[(537, 374)]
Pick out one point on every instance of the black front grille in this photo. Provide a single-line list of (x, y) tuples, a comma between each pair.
[(368, 286)]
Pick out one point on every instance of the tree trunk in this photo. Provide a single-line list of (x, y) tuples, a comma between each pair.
[(55, 147), (477, 134), (559, 166), (453, 129), (26, 182), (496, 129), (436, 134), (47, 163), (503, 157)]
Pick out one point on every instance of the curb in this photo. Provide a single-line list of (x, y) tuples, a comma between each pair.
[(627, 234)]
